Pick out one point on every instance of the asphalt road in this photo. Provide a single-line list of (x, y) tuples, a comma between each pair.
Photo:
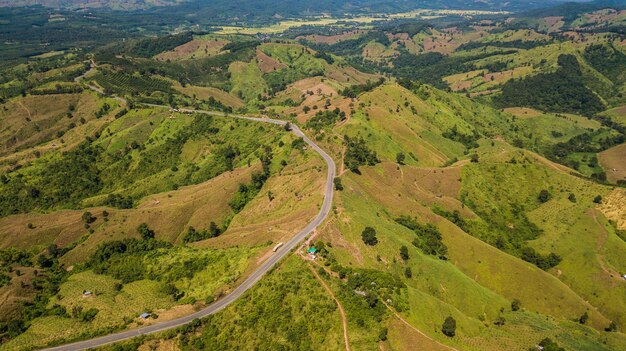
[(253, 278)]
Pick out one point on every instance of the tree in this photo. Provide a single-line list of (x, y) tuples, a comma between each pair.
[(583, 319), (287, 126), (499, 321), (88, 218), (400, 158), (474, 158), (404, 252), (44, 261), (382, 335), (597, 199), (369, 236), (145, 232), (89, 315), (572, 197), (544, 196), (516, 305), (338, 185), (449, 327), (612, 327), (408, 273)]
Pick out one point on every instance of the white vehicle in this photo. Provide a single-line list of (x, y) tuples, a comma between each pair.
[(277, 247)]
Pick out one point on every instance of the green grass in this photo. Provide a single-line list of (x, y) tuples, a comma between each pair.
[(247, 80), (117, 308), (287, 309)]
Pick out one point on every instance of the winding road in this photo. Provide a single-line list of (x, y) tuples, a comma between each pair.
[(253, 278)]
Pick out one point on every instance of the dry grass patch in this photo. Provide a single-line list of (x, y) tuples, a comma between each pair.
[(613, 161), (297, 192), (404, 189), (332, 39), (268, 64), (169, 214), (523, 112), (204, 93), (613, 207), (197, 48)]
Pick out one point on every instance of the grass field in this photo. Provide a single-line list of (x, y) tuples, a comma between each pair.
[(613, 161)]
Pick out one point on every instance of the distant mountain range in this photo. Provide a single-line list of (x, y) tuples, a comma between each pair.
[(288, 7)]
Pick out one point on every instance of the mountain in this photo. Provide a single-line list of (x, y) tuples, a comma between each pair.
[(477, 178), (286, 7)]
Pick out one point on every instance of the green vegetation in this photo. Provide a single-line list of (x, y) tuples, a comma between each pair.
[(194, 235), (369, 236), (561, 91), (325, 119), (449, 327), (428, 240), (454, 214), (358, 154), (141, 150), (356, 90), (247, 192)]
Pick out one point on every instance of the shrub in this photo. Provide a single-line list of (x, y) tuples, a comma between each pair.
[(516, 305), (145, 232), (584, 318), (89, 315), (369, 236), (429, 238), (544, 196), (612, 327), (400, 157), (338, 185), (449, 327), (404, 252)]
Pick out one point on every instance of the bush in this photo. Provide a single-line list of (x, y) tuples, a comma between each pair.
[(584, 318), (194, 235), (612, 327), (369, 236), (145, 232), (89, 315), (400, 157), (516, 305), (544, 196), (338, 185), (404, 252), (572, 197), (429, 239), (382, 335), (449, 327)]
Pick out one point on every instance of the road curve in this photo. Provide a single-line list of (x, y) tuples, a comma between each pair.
[(253, 278)]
